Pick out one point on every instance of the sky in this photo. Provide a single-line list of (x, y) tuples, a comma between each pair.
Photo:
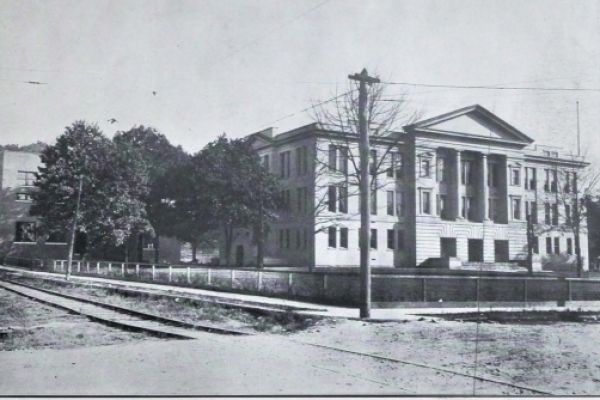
[(196, 69)]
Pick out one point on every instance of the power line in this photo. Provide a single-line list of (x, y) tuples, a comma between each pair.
[(311, 107), (27, 82), (484, 87)]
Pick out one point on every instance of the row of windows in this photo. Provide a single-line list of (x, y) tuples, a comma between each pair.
[(302, 162), (300, 242), (27, 232), (337, 201), (338, 157), (302, 201), (395, 238), (553, 246)]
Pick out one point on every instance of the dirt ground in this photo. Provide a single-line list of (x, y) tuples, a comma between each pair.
[(26, 324), (561, 358)]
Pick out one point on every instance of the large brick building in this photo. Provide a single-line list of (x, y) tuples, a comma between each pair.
[(451, 191), (18, 232)]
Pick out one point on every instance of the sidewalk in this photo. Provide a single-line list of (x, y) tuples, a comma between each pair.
[(307, 308)]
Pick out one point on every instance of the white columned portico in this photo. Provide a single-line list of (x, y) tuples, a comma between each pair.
[(457, 180), (485, 189)]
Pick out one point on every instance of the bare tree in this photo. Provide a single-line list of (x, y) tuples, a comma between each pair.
[(337, 163)]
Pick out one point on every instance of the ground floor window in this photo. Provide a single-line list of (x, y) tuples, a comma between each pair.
[(25, 232), (556, 245), (344, 238), (569, 246), (332, 236), (373, 238), (447, 247), (391, 240), (548, 245)]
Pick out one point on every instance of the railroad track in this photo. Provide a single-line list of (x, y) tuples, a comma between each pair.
[(121, 317)]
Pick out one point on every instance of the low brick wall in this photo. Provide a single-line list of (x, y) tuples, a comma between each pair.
[(344, 288)]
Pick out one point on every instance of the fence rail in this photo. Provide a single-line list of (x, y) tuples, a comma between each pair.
[(343, 288)]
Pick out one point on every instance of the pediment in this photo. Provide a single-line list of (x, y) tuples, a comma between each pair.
[(474, 121)]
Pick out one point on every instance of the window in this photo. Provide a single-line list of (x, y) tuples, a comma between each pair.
[(332, 236), (426, 202), (492, 208), (515, 176), (299, 200), (373, 238), (568, 214), (466, 174), (390, 202), (23, 196), (397, 160), (60, 237), (265, 161), (305, 239), (25, 178), (400, 203), (287, 238), (555, 214), (493, 178), (374, 201), (298, 241), (530, 178), (536, 245), (284, 164), (344, 238), (516, 208), (531, 211), (425, 167), (25, 232), (466, 206), (281, 238), (391, 240), (373, 162), (441, 205), (332, 164), (400, 240), (331, 198), (299, 161), (343, 167), (441, 170), (547, 216), (556, 245), (567, 187), (343, 199), (548, 245), (569, 246)]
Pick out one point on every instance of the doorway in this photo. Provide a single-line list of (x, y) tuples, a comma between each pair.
[(475, 250)]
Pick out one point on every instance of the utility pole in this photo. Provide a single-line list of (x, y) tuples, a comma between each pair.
[(364, 189), (74, 229), (578, 132)]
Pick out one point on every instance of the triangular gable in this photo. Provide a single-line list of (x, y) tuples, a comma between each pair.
[(472, 121)]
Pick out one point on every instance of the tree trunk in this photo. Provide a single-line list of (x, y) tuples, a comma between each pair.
[(156, 248), (194, 252), (578, 252), (127, 242), (228, 243), (70, 248)]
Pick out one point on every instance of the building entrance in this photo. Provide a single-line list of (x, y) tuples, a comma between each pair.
[(475, 250)]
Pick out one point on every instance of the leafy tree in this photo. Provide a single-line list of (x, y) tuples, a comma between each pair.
[(158, 156), (86, 185), (240, 192)]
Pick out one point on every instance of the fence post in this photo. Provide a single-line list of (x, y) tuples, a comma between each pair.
[(122, 269), (232, 276), (170, 273), (98, 268), (87, 267), (54, 266), (424, 284), (78, 266), (290, 282), (153, 271), (259, 284), (109, 268), (208, 281), (137, 270), (189, 275)]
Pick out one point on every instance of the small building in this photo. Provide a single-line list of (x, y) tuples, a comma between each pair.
[(19, 236), (453, 191)]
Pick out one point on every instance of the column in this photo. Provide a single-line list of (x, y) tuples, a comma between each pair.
[(485, 189), (457, 183)]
